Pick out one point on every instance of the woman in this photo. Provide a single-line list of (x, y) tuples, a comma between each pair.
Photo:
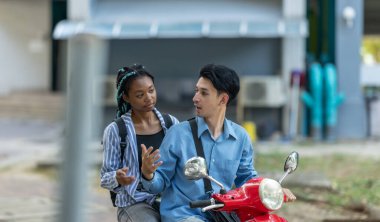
[(136, 100)]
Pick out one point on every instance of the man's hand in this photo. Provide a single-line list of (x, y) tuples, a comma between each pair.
[(148, 159), (289, 196), (122, 178)]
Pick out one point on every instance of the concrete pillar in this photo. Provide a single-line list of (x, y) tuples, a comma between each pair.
[(351, 116)]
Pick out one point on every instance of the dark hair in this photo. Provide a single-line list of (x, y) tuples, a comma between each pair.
[(124, 79), (223, 79)]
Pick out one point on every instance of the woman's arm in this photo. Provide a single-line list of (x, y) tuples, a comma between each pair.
[(111, 160)]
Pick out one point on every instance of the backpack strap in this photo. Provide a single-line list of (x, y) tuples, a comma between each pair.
[(200, 152), (168, 120), (123, 134), (123, 144)]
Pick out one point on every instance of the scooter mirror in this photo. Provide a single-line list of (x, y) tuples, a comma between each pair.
[(195, 168), (291, 162)]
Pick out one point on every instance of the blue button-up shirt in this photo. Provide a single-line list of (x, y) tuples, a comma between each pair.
[(229, 160)]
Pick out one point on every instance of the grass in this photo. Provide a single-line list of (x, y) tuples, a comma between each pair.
[(356, 180)]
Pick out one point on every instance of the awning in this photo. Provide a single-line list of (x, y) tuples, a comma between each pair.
[(192, 29)]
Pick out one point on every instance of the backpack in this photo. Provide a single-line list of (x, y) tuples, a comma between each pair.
[(123, 144)]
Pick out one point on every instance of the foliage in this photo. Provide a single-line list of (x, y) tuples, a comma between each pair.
[(371, 49), (355, 179)]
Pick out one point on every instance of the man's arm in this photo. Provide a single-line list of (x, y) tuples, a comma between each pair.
[(246, 169), (157, 180)]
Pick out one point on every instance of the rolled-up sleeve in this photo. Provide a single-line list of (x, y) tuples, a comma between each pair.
[(246, 170), (111, 158)]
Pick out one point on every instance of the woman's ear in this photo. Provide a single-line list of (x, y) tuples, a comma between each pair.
[(125, 97)]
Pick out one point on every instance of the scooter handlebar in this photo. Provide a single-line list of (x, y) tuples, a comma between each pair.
[(201, 203)]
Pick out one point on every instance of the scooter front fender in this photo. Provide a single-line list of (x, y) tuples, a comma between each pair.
[(268, 218)]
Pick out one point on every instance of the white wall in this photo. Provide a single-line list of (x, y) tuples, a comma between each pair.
[(370, 75), (79, 9), (24, 45)]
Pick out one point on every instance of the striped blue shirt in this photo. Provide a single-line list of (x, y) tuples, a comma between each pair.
[(126, 195)]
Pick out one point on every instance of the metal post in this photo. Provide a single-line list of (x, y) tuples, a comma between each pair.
[(293, 52), (86, 62)]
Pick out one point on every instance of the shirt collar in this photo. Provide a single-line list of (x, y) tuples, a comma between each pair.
[(228, 130)]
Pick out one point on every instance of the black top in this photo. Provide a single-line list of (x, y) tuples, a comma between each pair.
[(153, 140)]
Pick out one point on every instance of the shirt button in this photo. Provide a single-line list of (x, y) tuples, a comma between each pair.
[(213, 160)]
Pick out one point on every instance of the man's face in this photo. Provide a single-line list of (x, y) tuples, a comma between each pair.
[(206, 100)]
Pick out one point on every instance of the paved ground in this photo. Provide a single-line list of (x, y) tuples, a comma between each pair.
[(28, 193)]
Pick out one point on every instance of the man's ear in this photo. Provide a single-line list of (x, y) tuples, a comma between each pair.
[(225, 98)]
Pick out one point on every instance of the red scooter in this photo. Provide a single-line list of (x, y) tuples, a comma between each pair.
[(252, 202)]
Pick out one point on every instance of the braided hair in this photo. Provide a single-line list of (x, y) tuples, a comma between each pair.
[(125, 77)]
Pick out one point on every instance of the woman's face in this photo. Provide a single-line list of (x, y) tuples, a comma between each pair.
[(142, 94)]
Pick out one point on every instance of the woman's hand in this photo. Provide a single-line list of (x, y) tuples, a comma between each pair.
[(148, 159), (122, 178), (289, 196)]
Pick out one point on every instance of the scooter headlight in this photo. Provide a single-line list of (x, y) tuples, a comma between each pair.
[(271, 194)]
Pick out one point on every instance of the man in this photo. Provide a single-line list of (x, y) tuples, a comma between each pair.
[(227, 149)]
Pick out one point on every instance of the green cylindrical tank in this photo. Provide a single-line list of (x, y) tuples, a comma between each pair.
[(332, 100), (313, 100)]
